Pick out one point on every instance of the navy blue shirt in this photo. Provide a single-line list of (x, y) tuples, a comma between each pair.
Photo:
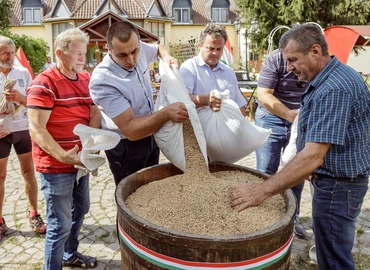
[(335, 109), (274, 75)]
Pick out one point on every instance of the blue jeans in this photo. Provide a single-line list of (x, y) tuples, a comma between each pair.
[(66, 206), (336, 204), (268, 155)]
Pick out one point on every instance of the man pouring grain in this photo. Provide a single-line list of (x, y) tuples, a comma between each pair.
[(120, 86)]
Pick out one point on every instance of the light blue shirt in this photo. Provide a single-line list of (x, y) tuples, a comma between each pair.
[(114, 89), (199, 79)]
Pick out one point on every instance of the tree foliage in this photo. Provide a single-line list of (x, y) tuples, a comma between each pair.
[(272, 13), (5, 12), (35, 49)]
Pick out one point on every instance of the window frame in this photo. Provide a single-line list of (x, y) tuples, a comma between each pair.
[(32, 10), (219, 14), (182, 9)]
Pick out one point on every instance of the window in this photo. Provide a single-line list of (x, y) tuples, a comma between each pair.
[(60, 27), (31, 15), (182, 15), (220, 15), (155, 28)]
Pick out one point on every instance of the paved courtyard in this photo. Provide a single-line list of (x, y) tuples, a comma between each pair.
[(22, 249)]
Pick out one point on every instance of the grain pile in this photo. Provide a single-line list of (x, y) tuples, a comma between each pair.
[(198, 202)]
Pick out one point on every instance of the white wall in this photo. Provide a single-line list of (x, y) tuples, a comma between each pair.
[(360, 63)]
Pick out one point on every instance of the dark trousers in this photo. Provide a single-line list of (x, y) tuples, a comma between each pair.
[(131, 156)]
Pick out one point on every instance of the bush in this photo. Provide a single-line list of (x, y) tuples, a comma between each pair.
[(35, 49)]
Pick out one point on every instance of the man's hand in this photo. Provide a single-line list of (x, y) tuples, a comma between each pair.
[(291, 115), (170, 60), (247, 195), (214, 101), (71, 157), (177, 112)]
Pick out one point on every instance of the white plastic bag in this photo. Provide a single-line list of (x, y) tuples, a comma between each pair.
[(291, 149), (229, 136), (169, 137)]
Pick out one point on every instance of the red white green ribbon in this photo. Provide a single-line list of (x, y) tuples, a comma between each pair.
[(176, 264)]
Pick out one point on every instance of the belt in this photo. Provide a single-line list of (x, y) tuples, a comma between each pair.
[(318, 176)]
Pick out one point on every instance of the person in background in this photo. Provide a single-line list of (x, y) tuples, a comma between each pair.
[(279, 93), (329, 146), (19, 136), (120, 86), (48, 64), (204, 73), (157, 77), (152, 76), (61, 95)]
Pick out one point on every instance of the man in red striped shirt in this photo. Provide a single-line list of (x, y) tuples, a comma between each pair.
[(57, 101)]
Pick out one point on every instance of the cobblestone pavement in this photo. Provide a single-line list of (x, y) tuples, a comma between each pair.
[(21, 248)]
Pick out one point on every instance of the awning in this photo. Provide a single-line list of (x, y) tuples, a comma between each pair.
[(342, 38)]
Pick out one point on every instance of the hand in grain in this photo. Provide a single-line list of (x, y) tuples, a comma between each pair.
[(177, 112), (247, 195), (214, 101)]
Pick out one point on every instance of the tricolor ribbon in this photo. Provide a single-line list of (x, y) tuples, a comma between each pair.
[(176, 264)]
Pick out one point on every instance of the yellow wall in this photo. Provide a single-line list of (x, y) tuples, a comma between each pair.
[(33, 31)]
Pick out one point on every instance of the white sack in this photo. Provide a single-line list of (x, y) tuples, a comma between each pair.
[(291, 149), (169, 137), (93, 140), (229, 136)]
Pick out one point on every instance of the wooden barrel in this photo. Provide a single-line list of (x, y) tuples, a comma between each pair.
[(148, 246)]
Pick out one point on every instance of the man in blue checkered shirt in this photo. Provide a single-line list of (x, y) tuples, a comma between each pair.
[(333, 145)]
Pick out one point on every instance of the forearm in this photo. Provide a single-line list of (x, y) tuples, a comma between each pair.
[(95, 117), (164, 52), (141, 127), (301, 166), (275, 106), (47, 143), (200, 100)]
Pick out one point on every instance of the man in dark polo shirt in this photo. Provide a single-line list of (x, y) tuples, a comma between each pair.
[(279, 93)]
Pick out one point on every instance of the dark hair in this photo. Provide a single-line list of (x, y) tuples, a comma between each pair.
[(305, 35), (122, 31), (214, 30)]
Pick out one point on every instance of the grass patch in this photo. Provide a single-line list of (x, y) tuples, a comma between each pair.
[(360, 231), (13, 240)]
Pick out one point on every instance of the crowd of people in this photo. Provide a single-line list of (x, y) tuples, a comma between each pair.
[(300, 76)]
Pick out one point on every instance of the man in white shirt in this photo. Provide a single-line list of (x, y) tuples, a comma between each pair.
[(19, 136), (48, 64)]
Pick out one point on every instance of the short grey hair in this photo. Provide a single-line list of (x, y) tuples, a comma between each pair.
[(5, 41), (215, 30), (305, 35), (63, 40)]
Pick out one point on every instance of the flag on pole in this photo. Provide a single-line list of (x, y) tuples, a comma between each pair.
[(23, 61), (227, 57)]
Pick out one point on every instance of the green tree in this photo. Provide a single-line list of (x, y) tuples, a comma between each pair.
[(35, 49), (5, 12), (271, 13)]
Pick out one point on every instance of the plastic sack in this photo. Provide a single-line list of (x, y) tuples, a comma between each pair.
[(291, 149), (7, 108), (169, 137), (229, 136), (93, 140)]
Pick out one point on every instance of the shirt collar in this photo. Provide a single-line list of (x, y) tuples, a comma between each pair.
[(325, 72), (200, 62), (115, 66)]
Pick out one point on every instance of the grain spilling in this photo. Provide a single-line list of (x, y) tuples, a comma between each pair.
[(198, 202)]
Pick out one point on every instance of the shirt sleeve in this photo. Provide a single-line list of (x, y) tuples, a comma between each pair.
[(188, 74), (150, 50), (39, 93), (106, 94), (269, 74)]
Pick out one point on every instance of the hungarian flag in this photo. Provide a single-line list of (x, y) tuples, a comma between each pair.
[(227, 56), (21, 57)]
